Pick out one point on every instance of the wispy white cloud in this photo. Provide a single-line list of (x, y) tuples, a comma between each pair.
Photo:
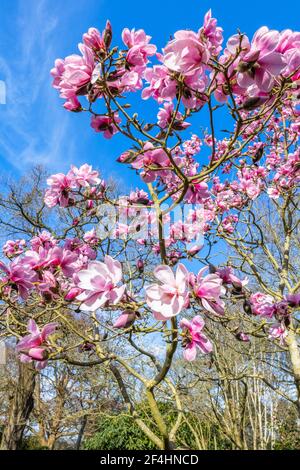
[(33, 128)]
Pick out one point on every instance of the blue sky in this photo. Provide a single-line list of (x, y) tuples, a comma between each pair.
[(34, 126)]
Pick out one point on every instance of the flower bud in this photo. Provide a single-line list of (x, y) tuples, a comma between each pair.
[(241, 336), (107, 34), (125, 320), (140, 265), (212, 268), (194, 249), (38, 354), (247, 307), (253, 103), (86, 346), (293, 300), (73, 292)]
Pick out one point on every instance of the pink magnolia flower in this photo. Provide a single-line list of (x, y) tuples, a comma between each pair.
[(293, 300), (197, 193), (47, 284), (273, 193), (208, 289), (150, 161), (19, 276), (194, 249), (63, 259), (251, 188), (138, 55), (72, 74), (167, 299), (94, 40), (59, 192), (131, 79), (91, 237), (106, 125), (278, 331), (139, 47), (185, 53), (211, 34), (193, 338), (139, 196), (43, 240), (241, 336), (228, 277), (165, 116), (125, 320), (261, 63), (34, 347), (34, 260), (73, 293), (289, 46), (72, 104), (262, 304), (99, 283), (84, 176), (140, 265), (14, 247), (133, 38), (161, 86)]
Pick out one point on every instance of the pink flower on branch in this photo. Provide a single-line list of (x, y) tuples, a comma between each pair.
[(62, 259), (261, 63), (278, 331), (99, 283), (168, 298), (262, 304), (94, 40), (139, 47), (185, 53), (72, 74), (19, 276), (134, 37), (208, 290), (14, 247), (125, 320), (106, 124), (293, 300), (166, 115), (193, 338), (34, 347), (228, 277), (161, 86), (59, 191), (211, 34), (152, 161), (84, 176)]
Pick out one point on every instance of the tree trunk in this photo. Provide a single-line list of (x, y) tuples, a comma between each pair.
[(81, 432), (20, 408), (295, 360)]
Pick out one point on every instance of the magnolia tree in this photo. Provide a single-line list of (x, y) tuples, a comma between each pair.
[(141, 269)]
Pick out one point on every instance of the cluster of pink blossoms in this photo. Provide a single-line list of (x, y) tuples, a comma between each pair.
[(14, 247), (99, 284), (264, 305), (46, 268), (175, 292), (64, 188), (35, 347), (191, 68), (187, 62)]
